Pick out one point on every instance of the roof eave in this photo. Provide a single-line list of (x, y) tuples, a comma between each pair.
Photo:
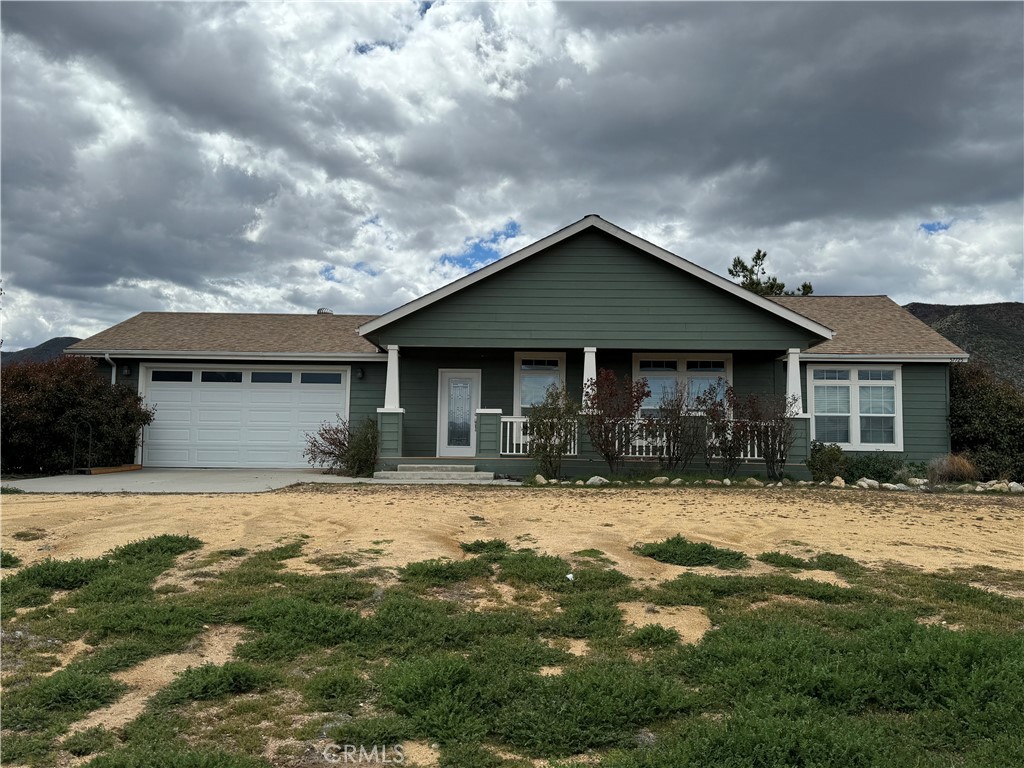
[(896, 357), (605, 226), (178, 354)]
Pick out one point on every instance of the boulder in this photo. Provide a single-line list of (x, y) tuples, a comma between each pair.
[(980, 489), (659, 480), (902, 487), (617, 482), (862, 484), (579, 482), (727, 481), (1001, 487), (889, 487), (804, 483), (677, 481), (786, 481), (965, 487), (916, 482), (1016, 488), (597, 480), (872, 484), (753, 482), (539, 480), (838, 482), (712, 482)]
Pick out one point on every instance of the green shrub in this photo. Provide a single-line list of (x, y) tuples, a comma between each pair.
[(826, 462), (782, 560), (9, 559), (652, 636), (361, 457), (883, 467), (525, 568), (386, 729), (212, 682), (952, 468), (826, 561), (490, 547), (986, 420), (679, 551), (62, 697), (41, 404)]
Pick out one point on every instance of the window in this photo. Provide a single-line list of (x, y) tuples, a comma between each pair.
[(666, 373), (221, 377), (858, 407), (271, 377), (320, 378), (171, 376), (536, 372)]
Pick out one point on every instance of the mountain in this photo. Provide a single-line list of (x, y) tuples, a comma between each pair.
[(48, 350), (992, 333)]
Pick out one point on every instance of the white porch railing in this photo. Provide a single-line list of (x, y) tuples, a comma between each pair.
[(515, 437), (648, 443)]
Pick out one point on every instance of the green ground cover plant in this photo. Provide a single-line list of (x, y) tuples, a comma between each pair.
[(794, 672), (679, 551)]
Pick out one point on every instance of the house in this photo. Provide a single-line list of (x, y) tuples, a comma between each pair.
[(451, 376)]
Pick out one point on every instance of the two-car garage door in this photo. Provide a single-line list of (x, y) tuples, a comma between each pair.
[(238, 417)]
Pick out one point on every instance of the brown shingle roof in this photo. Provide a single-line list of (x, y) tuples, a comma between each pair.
[(869, 325), (232, 333)]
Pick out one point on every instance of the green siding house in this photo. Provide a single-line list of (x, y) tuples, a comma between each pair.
[(450, 377)]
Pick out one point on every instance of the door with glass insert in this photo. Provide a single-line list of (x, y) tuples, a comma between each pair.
[(458, 401)]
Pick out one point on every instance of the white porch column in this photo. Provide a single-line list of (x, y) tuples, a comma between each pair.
[(589, 365), (793, 378), (391, 398)]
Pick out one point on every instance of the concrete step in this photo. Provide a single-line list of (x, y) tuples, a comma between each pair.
[(434, 477), (436, 468)]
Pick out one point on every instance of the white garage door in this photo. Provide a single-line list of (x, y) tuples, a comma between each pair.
[(234, 417)]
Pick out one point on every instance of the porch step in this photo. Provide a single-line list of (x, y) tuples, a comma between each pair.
[(432, 476), (436, 468)]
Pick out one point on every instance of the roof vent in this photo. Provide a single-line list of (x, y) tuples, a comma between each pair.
[(325, 311)]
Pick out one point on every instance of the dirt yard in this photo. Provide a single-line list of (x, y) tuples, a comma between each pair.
[(397, 525)]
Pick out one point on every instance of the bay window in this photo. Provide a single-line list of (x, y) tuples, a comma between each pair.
[(856, 407)]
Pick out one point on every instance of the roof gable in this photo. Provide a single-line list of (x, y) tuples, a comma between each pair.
[(593, 221)]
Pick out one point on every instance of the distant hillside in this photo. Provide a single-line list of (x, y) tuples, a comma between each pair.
[(991, 333), (39, 354)]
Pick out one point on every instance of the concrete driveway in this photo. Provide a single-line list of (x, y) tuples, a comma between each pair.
[(148, 480)]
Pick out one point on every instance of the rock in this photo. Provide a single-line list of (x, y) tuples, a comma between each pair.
[(1001, 487), (867, 483), (753, 482), (838, 482), (902, 487), (889, 487), (861, 484), (803, 483), (677, 481), (616, 482), (597, 480), (1016, 488), (659, 480), (539, 480), (727, 481), (579, 482), (554, 481), (916, 482), (712, 482), (786, 481), (980, 489), (965, 487)]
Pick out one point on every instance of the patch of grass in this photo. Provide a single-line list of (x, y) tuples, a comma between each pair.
[(334, 690), (524, 568), (594, 554), (587, 616), (782, 560), (9, 559), (329, 562), (386, 729), (679, 551), (21, 748), (58, 699), (438, 573), (89, 741), (826, 561), (165, 548), (214, 682), (465, 755), (652, 636), (708, 591), (235, 552), (163, 755), (5, 489), (486, 547), (29, 534)]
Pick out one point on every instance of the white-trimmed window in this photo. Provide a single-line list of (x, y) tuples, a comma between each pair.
[(667, 373), (535, 373), (858, 407)]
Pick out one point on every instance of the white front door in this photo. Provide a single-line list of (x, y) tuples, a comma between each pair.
[(458, 399)]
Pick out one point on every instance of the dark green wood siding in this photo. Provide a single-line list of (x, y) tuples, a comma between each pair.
[(925, 410), (593, 290)]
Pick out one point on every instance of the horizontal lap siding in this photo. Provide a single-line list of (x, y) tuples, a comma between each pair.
[(368, 392), (593, 290), (925, 411)]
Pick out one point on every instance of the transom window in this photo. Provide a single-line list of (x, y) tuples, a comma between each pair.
[(665, 374), (221, 377), (536, 373), (857, 407)]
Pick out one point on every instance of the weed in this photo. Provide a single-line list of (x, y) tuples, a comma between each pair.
[(58, 699), (336, 689), (707, 591), (212, 682), (679, 551), (486, 547), (5, 489), (89, 741), (826, 561), (387, 729), (438, 573), (652, 636), (29, 534), (329, 562), (523, 568), (9, 559)]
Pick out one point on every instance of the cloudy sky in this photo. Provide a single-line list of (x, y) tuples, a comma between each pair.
[(280, 158)]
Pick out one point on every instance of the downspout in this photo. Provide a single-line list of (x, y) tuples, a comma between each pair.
[(113, 368)]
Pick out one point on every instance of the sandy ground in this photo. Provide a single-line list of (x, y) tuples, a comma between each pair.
[(404, 524)]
